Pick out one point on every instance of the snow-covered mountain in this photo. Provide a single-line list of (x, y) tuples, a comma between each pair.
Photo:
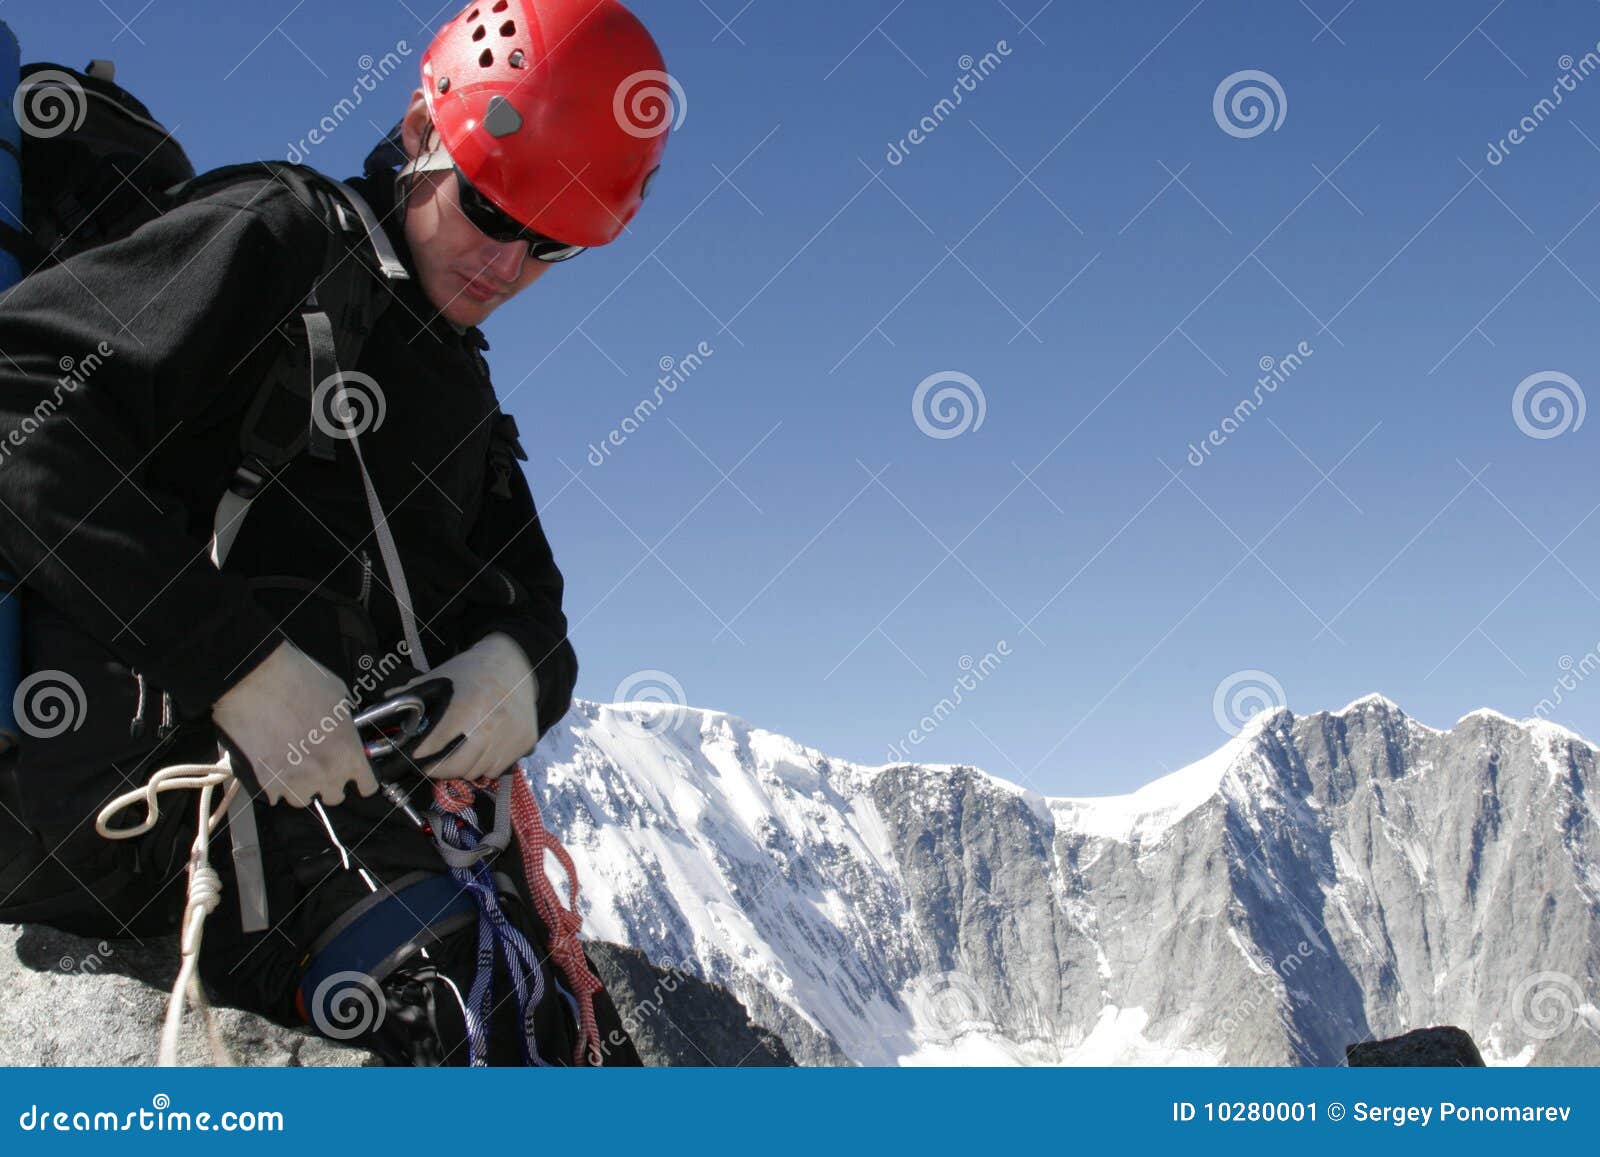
[(1319, 880)]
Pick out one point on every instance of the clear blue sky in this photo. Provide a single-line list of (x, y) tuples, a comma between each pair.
[(778, 536)]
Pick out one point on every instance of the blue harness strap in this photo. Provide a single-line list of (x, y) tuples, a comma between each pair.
[(371, 940), (458, 839)]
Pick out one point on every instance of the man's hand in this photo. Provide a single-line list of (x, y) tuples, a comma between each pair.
[(276, 717), (493, 718)]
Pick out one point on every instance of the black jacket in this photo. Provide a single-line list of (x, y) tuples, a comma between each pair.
[(124, 377)]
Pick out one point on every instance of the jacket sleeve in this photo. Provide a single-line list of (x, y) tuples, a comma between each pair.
[(509, 538), (105, 357)]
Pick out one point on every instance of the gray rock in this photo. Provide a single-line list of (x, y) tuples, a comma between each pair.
[(1443, 1045), (72, 1001), (678, 1019)]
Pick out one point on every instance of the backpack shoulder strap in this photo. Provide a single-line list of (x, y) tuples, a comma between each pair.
[(336, 318), (337, 315)]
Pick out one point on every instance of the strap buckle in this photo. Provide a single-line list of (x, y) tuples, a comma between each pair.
[(249, 477)]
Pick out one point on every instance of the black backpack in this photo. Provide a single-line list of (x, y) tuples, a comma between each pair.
[(106, 166), (110, 167), (95, 169)]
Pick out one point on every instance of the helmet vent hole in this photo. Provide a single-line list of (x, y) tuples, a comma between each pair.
[(478, 32), (509, 28), (486, 59), (518, 60), (501, 6), (473, 15)]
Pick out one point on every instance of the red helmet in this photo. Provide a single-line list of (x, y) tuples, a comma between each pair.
[(555, 110)]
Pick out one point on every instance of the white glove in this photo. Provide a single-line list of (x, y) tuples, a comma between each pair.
[(493, 711), (276, 715)]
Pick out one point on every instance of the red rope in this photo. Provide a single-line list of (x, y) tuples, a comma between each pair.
[(564, 922)]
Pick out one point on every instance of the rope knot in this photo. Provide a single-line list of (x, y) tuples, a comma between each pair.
[(205, 887)]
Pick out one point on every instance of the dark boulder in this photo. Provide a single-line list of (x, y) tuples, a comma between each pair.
[(1442, 1045)]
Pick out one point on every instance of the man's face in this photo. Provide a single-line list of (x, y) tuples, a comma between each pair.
[(466, 275)]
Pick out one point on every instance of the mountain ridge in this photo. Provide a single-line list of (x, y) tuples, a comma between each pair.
[(906, 912)]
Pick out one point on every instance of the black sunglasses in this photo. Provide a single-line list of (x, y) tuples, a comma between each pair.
[(487, 217)]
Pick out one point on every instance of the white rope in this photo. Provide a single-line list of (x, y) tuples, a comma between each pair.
[(205, 886)]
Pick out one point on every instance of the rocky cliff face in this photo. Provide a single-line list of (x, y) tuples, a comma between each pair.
[(1320, 880)]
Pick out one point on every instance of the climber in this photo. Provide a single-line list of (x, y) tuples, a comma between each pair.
[(335, 562)]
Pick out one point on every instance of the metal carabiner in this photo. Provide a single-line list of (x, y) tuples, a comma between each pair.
[(378, 717), (389, 741)]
